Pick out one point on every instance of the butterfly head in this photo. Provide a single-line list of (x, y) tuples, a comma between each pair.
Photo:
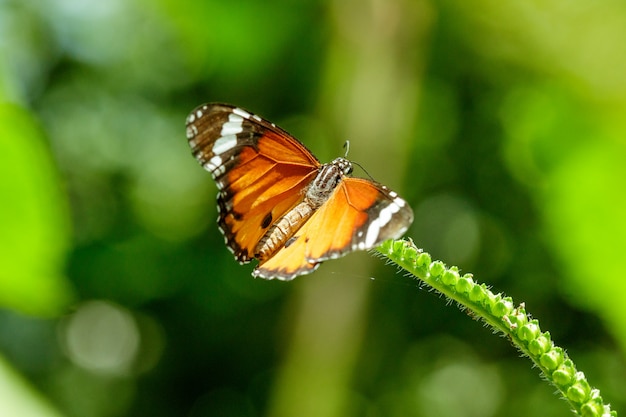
[(327, 179), (343, 164)]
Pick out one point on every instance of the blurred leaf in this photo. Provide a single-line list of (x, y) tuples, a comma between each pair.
[(558, 144), (240, 43), (18, 399), (33, 219), (584, 212)]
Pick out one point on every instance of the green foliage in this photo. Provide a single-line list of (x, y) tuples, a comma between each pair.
[(33, 219)]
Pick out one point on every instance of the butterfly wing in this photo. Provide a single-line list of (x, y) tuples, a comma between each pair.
[(260, 171), (359, 215)]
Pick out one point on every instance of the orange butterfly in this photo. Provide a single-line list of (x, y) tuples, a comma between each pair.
[(277, 203)]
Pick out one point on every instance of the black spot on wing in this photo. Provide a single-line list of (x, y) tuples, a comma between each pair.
[(267, 220)]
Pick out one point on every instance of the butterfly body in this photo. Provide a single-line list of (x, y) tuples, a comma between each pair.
[(317, 193), (277, 203)]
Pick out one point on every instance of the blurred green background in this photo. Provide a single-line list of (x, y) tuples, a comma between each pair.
[(502, 123)]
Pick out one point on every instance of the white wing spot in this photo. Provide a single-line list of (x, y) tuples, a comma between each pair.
[(372, 234), (192, 131), (384, 217), (233, 126), (199, 113), (224, 144), (220, 170), (242, 113), (191, 118), (213, 164)]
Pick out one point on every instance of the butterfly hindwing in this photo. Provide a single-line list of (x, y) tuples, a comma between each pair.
[(359, 215), (260, 170)]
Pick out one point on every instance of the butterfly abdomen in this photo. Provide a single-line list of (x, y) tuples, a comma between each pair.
[(278, 235)]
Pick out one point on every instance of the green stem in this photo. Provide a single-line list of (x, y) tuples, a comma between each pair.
[(500, 313)]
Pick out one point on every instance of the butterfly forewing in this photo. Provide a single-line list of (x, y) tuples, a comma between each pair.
[(260, 170)]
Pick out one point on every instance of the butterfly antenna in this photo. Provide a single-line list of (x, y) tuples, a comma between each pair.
[(346, 146), (364, 170)]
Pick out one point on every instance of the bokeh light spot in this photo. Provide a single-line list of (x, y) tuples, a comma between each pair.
[(101, 337)]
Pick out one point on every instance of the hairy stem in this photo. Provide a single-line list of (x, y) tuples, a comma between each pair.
[(499, 312)]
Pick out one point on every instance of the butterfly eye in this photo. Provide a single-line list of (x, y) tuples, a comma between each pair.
[(344, 165)]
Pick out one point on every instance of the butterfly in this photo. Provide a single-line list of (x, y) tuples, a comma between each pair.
[(278, 204)]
